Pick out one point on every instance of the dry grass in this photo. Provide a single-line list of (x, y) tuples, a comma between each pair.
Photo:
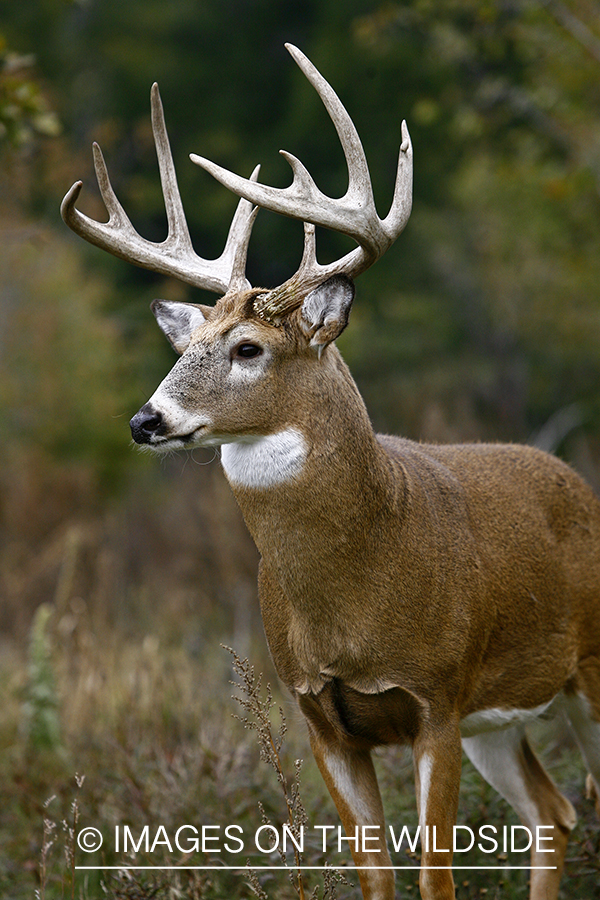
[(150, 724)]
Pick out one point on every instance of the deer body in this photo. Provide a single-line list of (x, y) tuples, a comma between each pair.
[(410, 593), (432, 549), (436, 596)]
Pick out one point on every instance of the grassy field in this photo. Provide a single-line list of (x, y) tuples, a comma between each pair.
[(104, 729)]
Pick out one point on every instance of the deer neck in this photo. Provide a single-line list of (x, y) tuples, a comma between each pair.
[(312, 493)]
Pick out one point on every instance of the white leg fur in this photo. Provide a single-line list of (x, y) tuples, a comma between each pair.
[(424, 767), (495, 754), (343, 778)]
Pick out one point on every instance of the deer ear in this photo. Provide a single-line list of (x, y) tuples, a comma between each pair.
[(325, 311), (178, 321)]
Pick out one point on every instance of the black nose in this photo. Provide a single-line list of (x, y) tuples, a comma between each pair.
[(145, 424)]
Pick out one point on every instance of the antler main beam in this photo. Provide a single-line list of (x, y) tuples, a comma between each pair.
[(354, 214), (174, 256)]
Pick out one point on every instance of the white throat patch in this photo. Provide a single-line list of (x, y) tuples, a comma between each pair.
[(263, 462)]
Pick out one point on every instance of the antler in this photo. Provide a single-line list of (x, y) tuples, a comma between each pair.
[(175, 255), (354, 214)]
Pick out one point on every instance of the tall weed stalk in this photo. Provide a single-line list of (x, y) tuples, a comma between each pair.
[(258, 709)]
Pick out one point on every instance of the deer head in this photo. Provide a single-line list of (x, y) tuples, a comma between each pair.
[(251, 337)]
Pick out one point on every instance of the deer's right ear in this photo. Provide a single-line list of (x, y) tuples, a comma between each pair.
[(178, 321)]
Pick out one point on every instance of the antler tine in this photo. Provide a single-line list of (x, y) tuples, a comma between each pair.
[(289, 295), (395, 221), (354, 214), (238, 239), (175, 255), (178, 233)]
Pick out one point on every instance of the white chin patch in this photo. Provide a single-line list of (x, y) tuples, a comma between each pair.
[(263, 462)]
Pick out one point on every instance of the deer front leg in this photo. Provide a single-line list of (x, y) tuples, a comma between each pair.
[(437, 759), (352, 783)]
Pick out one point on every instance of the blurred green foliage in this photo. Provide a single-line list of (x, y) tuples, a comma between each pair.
[(24, 111)]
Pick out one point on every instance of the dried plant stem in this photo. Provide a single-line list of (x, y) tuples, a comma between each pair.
[(270, 746), (47, 843), (70, 830)]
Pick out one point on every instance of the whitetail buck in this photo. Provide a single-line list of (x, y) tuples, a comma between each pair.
[(410, 593)]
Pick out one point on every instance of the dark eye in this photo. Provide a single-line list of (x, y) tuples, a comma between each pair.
[(247, 351)]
